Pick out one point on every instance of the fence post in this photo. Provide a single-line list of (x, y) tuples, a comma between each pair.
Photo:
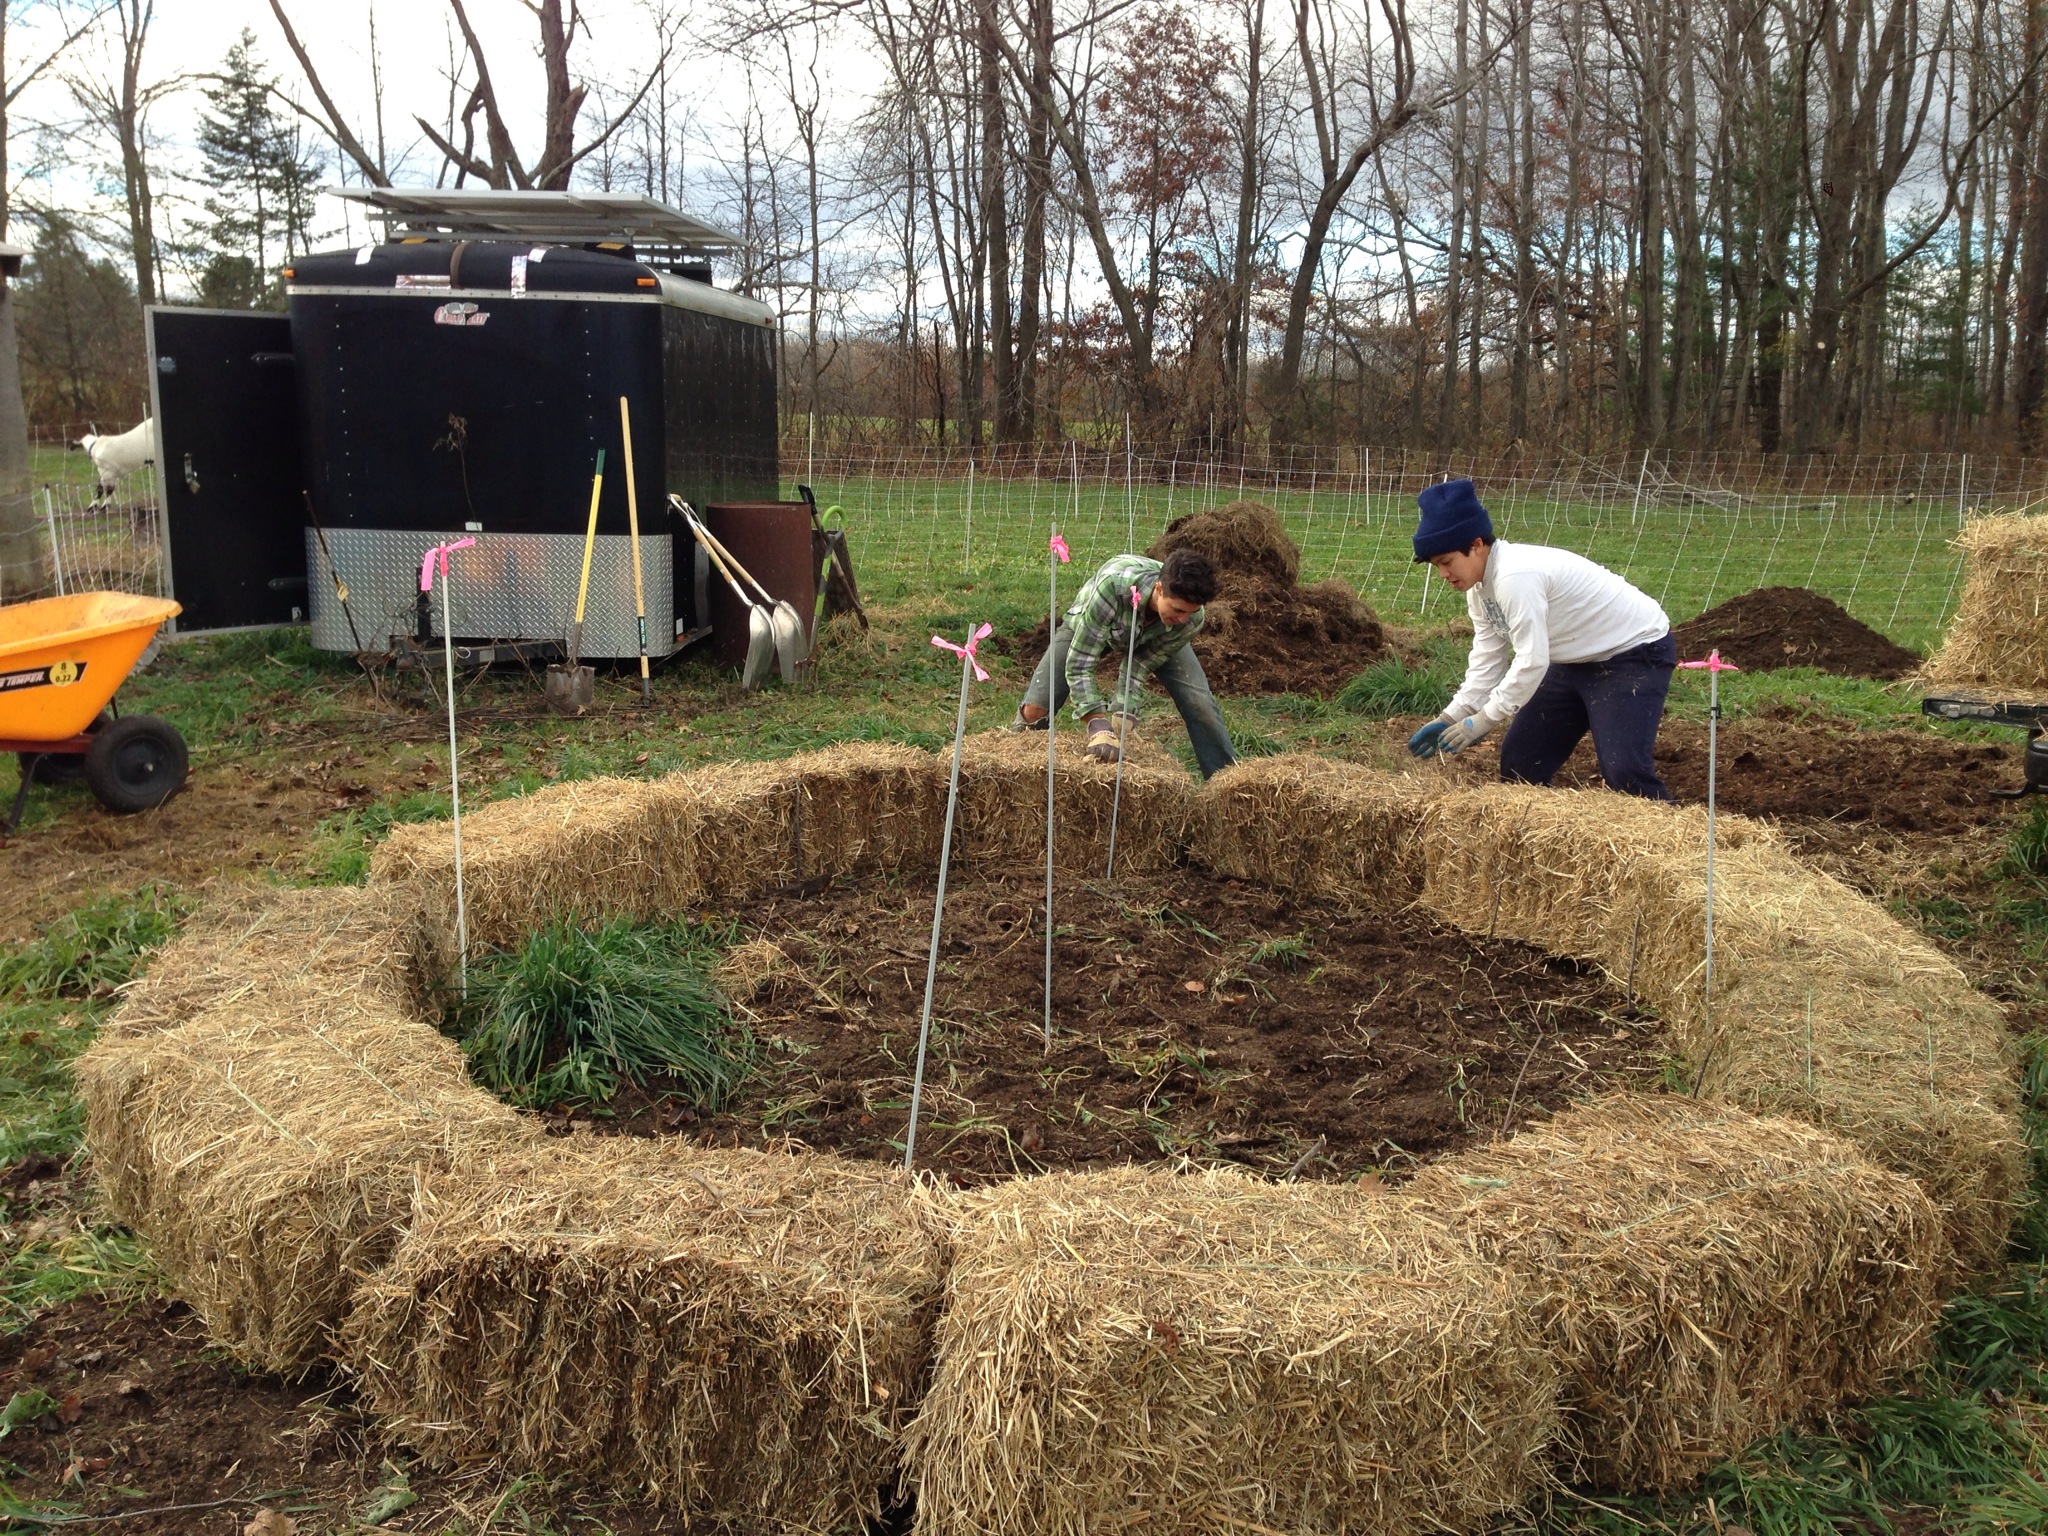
[(56, 554)]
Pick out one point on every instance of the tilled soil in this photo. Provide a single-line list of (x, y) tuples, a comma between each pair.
[(1792, 627), (1193, 1017)]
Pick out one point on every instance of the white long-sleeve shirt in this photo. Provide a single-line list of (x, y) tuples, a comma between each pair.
[(1536, 605)]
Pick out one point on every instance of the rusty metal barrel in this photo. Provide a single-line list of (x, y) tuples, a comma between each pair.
[(772, 539)]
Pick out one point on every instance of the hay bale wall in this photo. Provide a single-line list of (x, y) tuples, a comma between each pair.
[(741, 1335), (1906, 1059), (1999, 635), (267, 1150), (1326, 829), (1002, 803), (645, 850), (1209, 1352), (1702, 1277), (356, 945)]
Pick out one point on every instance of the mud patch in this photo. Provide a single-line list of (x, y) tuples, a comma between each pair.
[(1792, 627), (1197, 1018)]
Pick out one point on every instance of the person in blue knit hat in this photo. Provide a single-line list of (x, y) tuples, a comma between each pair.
[(1560, 647)]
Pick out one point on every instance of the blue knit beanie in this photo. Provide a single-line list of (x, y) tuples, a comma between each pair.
[(1452, 517)]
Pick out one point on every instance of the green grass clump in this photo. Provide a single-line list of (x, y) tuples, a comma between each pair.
[(575, 1012), (89, 952), (2026, 852), (343, 843), (1394, 686)]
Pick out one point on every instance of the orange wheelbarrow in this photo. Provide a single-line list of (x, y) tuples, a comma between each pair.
[(61, 660)]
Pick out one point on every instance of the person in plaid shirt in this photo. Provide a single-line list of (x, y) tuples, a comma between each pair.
[(1097, 630)]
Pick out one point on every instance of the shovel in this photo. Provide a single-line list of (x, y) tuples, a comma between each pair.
[(792, 645), (760, 628), (572, 689)]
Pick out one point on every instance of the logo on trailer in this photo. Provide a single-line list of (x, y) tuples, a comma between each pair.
[(58, 674), (460, 314)]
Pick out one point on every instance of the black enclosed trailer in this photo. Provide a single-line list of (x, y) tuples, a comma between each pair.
[(458, 379)]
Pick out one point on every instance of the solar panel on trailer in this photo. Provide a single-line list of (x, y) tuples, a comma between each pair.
[(570, 216)]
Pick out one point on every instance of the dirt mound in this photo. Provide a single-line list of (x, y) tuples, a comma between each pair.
[(1238, 537), (1792, 627), (1261, 633), (1205, 1018)]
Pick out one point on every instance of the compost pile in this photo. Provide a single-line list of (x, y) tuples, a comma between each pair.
[(1792, 627), (1211, 1019), (1264, 632)]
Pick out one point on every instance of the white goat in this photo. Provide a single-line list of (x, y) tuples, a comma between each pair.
[(116, 458)]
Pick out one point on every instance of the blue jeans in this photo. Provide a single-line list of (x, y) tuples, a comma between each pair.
[(1620, 700), (1184, 681)]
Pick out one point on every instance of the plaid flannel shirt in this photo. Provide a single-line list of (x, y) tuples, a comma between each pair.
[(1100, 618)]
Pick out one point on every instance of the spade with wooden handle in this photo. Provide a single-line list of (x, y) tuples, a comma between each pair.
[(572, 689)]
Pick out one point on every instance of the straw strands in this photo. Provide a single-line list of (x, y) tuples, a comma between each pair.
[(1824, 1007), (1702, 1277), (1137, 1349), (1999, 636), (1332, 830), (742, 1335), (267, 1150), (357, 945), (1002, 803)]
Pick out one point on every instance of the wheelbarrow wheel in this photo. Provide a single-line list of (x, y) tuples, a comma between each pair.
[(136, 763)]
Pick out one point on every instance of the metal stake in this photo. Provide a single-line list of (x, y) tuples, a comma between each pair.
[(1713, 666), (969, 668), (1056, 552), (1122, 733), (440, 553)]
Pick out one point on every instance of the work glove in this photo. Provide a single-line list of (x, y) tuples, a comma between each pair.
[(1459, 735), (1102, 739), (1428, 741)]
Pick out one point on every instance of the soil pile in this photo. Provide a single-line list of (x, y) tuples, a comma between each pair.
[(1212, 1019), (1792, 627)]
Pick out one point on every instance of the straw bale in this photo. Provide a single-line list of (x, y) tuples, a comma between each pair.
[(756, 827), (1239, 537), (1907, 1060), (363, 944), (742, 1335), (1209, 1353), (587, 848), (1998, 637), (267, 1151), (1002, 802), (1338, 831), (1702, 1277)]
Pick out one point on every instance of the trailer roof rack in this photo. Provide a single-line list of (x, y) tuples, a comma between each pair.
[(568, 218)]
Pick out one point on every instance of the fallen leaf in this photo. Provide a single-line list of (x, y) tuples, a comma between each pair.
[(641, 758), (1032, 1140), (69, 1410), (1193, 986), (270, 1522)]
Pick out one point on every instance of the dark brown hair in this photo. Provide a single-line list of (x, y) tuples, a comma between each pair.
[(1189, 576)]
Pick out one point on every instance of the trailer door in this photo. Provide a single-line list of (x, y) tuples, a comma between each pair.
[(225, 398)]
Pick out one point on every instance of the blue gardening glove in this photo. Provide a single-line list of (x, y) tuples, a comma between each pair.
[(1428, 741), (1457, 737)]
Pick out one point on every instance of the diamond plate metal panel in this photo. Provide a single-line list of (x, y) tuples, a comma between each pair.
[(508, 586)]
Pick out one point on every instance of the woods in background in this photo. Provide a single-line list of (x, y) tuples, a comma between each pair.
[(1790, 226)]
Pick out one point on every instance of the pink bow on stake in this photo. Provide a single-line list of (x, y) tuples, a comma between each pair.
[(1713, 663), (967, 650), (427, 563), (1137, 602), (1059, 547)]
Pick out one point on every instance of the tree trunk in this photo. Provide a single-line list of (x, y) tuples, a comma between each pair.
[(1037, 187), (995, 219), (25, 569)]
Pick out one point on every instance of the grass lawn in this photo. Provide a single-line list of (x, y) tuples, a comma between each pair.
[(300, 767)]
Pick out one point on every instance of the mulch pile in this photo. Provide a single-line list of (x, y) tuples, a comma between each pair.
[(1193, 1016), (1263, 633), (1792, 627)]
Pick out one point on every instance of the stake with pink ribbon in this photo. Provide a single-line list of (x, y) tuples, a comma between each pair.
[(970, 670), (1123, 728), (434, 562), (1056, 556), (1713, 666)]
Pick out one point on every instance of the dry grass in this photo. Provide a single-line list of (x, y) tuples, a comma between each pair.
[(1702, 1277), (1002, 802), (1999, 636), (1139, 1350), (1824, 1006), (1332, 830), (267, 1151), (1239, 537), (741, 1335), (360, 946)]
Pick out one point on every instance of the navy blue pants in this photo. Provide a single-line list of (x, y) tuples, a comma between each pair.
[(1620, 700)]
